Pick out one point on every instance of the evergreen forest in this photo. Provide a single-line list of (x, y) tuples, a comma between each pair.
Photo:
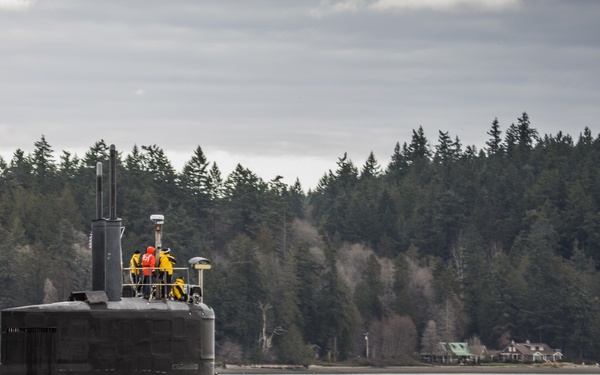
[(442, 242)]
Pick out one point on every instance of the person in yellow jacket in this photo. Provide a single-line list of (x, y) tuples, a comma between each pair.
[(165, 269), (178, 292), (135, 265)]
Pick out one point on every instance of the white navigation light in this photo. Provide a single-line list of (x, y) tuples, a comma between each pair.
[(157, 219), (200, 263)]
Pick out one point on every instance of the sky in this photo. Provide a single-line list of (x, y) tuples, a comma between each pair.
[(289, 87)]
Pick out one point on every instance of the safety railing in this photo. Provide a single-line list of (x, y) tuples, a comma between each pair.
[(159, 288)]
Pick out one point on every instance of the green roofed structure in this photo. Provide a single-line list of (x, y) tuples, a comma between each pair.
[(450, 352)]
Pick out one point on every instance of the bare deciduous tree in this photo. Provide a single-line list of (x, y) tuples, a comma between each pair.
[(450, 319), (430, 339), (446, 317), (387, 277), (474, 341), (230, 352), (421, 280), (394, 337), (267, 339), (351, 263), (420, 288), (50, 292)]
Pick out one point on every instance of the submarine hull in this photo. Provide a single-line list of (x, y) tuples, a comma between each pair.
[(124, 337)]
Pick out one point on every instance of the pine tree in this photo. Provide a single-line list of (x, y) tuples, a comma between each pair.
[(494, 145), (526, 135), (398, 166), (443, 150), (44, 166), (371, 169), (337, 319), (99, 152), (308, 273), (244, 284), (368, 291), (194, 177), (215, 183), (418, 150), (244, 193)]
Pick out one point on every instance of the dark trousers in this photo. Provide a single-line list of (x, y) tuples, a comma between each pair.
[(165, 280), (148, 281), (135, 280), (169, 279)]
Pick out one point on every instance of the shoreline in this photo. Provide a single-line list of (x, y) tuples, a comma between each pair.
[(426, 369)]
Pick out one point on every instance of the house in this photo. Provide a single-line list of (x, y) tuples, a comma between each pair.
[(480, 353), (530, 352), (438, 354), (494, 355), (449, 352)]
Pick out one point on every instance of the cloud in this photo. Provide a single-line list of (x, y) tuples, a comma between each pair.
[(281, 83), (445, 5), (345, 6), (16, 5)]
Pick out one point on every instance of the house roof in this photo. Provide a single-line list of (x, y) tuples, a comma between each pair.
[(537, 347), (458, 348), (478, 349), (533, 348)]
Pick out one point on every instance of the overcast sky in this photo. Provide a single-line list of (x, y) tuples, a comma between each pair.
[(287, 87)]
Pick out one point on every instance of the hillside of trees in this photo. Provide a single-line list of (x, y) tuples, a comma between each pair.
[(443, 242)]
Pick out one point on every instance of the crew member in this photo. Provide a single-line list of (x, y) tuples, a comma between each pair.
[(148, 263), (135, 265), (178, 292), (165, 269)]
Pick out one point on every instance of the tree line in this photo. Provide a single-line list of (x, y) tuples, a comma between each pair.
[(443, 243)]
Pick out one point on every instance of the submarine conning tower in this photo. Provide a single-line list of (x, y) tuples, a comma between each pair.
[(106, 237)]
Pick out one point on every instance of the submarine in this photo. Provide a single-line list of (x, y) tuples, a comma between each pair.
[(110, 329)]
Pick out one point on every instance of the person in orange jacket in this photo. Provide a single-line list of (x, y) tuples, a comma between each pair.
[(148, 264)]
